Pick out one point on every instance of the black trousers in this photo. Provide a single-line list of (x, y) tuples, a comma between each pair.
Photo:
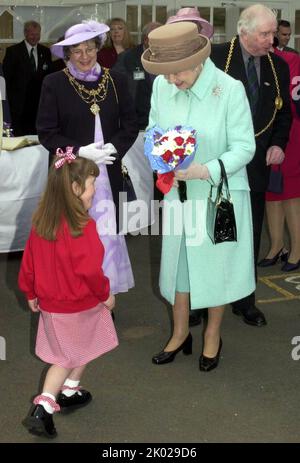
[(258, 210)]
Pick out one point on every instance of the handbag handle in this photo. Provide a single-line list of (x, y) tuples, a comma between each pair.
[(223, 181)]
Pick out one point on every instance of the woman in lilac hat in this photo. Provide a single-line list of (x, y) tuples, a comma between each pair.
[(193, 15), (89, 108)]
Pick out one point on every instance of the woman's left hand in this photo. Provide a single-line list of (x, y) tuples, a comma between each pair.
[(193, 172)]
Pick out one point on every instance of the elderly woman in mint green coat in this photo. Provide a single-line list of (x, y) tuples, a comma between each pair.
[(191, 91)]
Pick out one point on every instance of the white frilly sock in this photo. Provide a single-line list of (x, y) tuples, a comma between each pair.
[(70, 387)]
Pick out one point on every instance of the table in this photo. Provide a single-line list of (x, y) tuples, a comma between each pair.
[(23, 175)]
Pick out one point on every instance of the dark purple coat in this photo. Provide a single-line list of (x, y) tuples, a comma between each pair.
[(64, 119)]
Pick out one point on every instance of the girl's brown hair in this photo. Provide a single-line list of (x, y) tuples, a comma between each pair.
[(127, 40), (60, 202)]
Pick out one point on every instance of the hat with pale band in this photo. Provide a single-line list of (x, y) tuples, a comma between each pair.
[(174, 48)]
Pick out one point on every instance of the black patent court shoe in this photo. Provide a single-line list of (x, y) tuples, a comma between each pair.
[(77, 400), (272, 261), (40, 422), (167, 357), (209, 363)]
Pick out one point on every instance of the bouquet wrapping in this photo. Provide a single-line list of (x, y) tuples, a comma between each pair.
[(169, 150)]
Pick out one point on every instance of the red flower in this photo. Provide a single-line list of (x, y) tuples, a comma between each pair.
[(179, 152), (179, 141), (191, 140), (164, 138), (167, 156)]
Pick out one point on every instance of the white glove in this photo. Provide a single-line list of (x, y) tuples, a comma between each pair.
[(97, 153), (109, 148)]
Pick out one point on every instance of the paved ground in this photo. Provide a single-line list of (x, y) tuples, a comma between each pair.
[(253, 396)]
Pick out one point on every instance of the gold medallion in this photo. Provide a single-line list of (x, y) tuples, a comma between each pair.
[(95, 109), (278, 102)]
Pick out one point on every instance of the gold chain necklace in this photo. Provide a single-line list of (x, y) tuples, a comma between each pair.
[(94, 96), (278, 100)]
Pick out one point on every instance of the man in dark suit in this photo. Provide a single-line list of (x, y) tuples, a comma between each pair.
[(25, 65), (140, 81), (266, 80)]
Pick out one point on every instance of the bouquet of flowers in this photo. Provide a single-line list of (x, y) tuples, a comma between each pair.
[(169, 150)]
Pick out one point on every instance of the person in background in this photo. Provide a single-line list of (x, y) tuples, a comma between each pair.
[(118, 40), (204, 28), (191, 91), (61, 275), (284, 208), (266, 80), (191, 14), (140, 81), (89, 108), (24, 66), (283, 35)]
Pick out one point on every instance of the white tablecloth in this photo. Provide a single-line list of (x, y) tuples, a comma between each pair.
[(23, 175)]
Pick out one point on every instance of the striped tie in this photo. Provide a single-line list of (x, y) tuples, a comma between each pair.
[(253, 84)]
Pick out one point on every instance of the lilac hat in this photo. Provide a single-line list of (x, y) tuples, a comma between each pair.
[(192, 14), (79, 33)]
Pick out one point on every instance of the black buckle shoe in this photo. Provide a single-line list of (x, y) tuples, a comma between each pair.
[(167, 357), (40, 422), (252, 315), (79, 399), (209, 363)]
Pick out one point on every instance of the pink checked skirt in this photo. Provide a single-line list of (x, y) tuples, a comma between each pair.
[(72, 340)]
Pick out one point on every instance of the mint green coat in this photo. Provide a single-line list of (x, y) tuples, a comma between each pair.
[(217, 107)]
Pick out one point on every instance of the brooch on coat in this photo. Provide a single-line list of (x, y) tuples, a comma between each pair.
[(216, 91)]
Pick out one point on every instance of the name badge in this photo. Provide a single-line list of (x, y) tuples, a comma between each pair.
[(138, 75)]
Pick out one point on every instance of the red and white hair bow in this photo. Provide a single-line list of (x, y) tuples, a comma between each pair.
[(66, 156)]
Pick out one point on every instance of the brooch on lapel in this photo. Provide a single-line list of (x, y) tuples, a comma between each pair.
[(216, 91)]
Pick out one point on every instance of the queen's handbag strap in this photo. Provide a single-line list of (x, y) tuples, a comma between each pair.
[(224, 180)]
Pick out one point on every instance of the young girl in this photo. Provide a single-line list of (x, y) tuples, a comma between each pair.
[(62, 277)]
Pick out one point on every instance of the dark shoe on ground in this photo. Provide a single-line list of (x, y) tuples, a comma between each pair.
[(289, 267), (272, 261), (40, 422), (252, 315), (167, 357), (195, 317), (209, 363), (69, 404)]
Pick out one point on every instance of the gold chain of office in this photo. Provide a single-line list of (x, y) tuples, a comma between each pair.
[(278, 100), (95, 96)]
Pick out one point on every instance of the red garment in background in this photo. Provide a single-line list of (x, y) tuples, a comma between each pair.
[(291, 165), (107, 57)]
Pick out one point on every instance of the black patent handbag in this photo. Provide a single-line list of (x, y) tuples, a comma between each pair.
[(220, 218)]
